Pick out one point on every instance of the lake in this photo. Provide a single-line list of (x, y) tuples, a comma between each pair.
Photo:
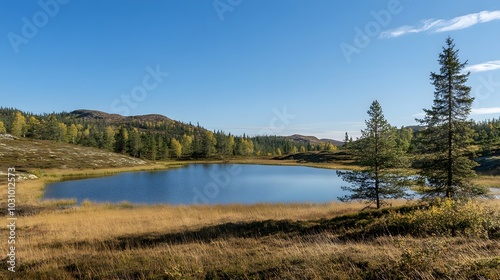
[(207, 184)]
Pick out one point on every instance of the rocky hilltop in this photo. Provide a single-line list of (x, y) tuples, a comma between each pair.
[(115, 118)]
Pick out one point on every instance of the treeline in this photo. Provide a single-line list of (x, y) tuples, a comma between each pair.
[(405, 139), (487, 134), (153, 140)]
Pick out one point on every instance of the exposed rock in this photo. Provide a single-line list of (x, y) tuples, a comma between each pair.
[(20, 176), (7, 136)]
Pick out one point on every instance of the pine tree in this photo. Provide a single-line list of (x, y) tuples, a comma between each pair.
[(229, 147), (152, 144), (163, 152), (34, 128), (447, 167), (109, 138), (121, 143), (346, 141), (377, 151), (404, 138), (135, 142), (51, 128)]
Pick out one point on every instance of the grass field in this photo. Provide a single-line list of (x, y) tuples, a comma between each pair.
[(60, 240), (294, 241)]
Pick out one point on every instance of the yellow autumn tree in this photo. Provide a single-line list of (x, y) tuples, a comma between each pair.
[(72, 133), (2, 128), (19, 125), (176, 147)]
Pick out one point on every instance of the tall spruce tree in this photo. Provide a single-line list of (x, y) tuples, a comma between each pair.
[(377, 151), (346, 141), (446, 165), (121, 141)]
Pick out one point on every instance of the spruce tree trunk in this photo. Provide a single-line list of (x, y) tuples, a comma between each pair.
[(450, 140)]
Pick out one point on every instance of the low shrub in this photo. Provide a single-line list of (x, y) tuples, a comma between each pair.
[(443, 218)]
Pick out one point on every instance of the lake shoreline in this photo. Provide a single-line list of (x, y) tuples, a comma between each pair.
[(36, 188), (214, 183), (33, 190)]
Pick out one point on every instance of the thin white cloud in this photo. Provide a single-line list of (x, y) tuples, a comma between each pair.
[(442, 25), (485, 111), (485, 66), (407, 29)]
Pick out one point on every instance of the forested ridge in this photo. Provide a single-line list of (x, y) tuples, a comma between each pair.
[(156, 137), (153, 137)]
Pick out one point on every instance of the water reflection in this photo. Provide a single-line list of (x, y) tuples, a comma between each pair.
[(208, 184)]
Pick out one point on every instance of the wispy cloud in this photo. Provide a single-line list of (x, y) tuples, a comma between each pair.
[(485, 66), (443, 25), (485, 111)]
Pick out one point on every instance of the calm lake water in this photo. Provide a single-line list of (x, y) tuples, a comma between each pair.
[(207, 184)]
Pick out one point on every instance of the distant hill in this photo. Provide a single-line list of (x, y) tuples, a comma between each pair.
[(334, 142), (153, 136), (94, 115), (313, 140), (117, 119)]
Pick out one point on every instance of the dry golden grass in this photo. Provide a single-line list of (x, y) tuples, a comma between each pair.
[(198, 242), (101, 221), (58, 240), (489, 181)]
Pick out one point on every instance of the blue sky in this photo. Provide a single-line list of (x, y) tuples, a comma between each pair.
[(253, 66)]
